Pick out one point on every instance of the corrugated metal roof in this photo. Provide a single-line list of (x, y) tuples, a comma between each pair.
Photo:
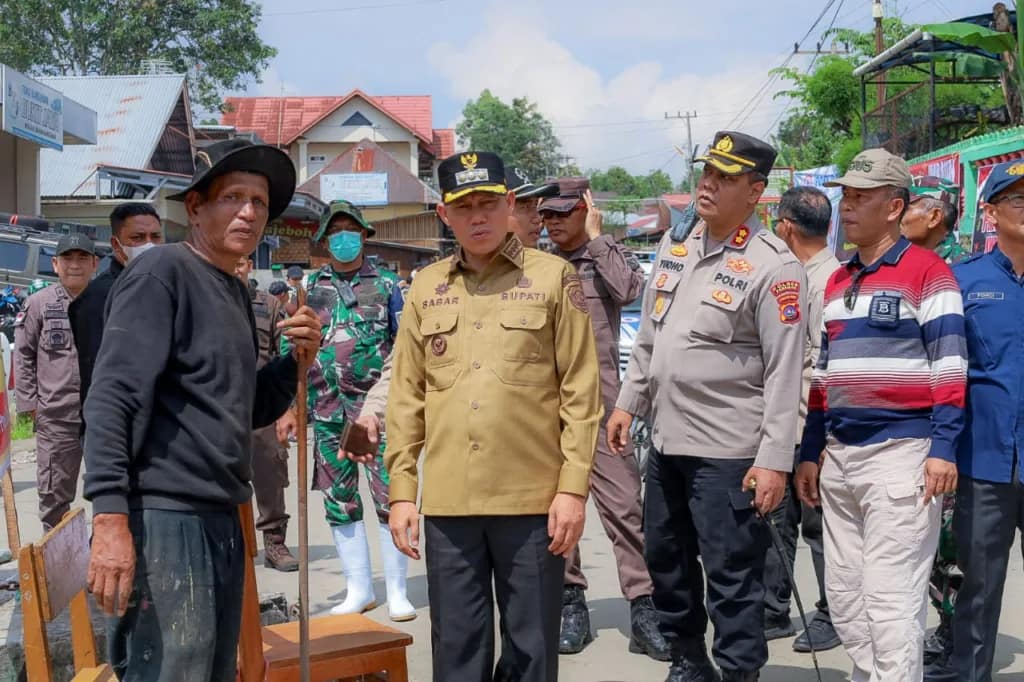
[(132, 113), (403, 186)]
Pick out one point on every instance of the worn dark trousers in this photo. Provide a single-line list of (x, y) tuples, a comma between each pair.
[(695, 506), (185, 612), (464, 556), (791, 518), (985, 522)]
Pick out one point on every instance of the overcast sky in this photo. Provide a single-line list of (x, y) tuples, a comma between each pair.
[(605, 73)]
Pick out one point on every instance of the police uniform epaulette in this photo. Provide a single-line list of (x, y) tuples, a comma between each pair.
[(773, 240)]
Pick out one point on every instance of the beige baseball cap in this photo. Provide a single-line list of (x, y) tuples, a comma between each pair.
[(874, 168)]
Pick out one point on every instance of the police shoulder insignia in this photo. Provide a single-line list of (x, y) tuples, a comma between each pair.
[(787, 294), (741, 236), (659, 304), (739, 265), (679, 250), (571, 284)]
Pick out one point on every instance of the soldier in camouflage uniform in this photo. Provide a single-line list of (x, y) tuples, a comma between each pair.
[(359, 307), (930, 222)]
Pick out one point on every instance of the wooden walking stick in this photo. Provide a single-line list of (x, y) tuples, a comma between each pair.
[(302, 419)]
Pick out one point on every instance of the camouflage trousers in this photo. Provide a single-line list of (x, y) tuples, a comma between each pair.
[(946, 577), (338, 477)]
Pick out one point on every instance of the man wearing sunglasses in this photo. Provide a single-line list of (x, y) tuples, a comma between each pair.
[(717, 363), (611, 277), (886, 407), (989, 495)]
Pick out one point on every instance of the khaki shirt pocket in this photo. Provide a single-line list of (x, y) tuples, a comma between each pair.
[(526, 343), (717, 315), (441, 340)]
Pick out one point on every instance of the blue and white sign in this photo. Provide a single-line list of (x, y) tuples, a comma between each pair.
[(32, 110), (362, 189)]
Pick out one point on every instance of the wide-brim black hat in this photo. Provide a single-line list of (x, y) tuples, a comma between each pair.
[(228, 156)]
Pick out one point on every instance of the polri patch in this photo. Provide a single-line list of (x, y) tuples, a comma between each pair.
[(787, 295)]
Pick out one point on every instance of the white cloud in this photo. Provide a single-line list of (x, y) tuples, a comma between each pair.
[(617, 119)]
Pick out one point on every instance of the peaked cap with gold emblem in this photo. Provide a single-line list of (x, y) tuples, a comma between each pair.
[(467, 172), (737, 154), (228, 156)]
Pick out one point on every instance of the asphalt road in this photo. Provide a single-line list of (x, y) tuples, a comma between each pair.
[(607, 659)]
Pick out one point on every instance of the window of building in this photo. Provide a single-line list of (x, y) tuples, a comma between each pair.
[(356, 120)]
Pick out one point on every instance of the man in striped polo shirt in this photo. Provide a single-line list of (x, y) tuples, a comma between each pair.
[(885, 410)]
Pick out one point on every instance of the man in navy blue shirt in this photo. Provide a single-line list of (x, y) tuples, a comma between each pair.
[(990, 495)]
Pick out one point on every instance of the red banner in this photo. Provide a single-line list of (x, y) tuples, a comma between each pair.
[(984, 230), (946, 167)]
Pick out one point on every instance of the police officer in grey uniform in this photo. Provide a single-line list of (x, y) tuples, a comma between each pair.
[(269, 455), (47, 379), (717, 363)]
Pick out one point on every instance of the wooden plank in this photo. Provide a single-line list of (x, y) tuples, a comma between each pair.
[(250, 641), (103, 673), (37, 658), (10, 513), (391, 661), (330, 637), (83, 639), (63, 562)]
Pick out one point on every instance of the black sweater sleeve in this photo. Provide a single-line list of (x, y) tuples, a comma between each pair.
[(276, 383), (135, 349)]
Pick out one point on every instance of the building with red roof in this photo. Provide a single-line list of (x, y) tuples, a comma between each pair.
[(317, 130)]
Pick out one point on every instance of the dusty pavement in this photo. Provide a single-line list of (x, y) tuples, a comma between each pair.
[(607, 659)]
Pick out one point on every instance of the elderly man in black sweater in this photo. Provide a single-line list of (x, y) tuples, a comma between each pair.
[(174, 399)]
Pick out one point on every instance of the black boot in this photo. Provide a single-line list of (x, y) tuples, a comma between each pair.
[(940, 643), (575, 635), (940, 670), (740, 676), (690, 663), (645, 637)]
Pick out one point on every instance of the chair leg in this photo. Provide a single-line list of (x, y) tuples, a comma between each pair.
[(397, 669)]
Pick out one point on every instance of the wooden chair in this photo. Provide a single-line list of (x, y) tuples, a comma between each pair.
[(53, 577), (340, 646)]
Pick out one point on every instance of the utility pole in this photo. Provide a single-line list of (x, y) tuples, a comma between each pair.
[(688, 116), (877, 11)]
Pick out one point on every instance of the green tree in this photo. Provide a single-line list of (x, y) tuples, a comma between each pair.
[(216, 41), (519, 133), (825, 125)]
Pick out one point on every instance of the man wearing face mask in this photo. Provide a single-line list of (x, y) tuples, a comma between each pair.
[(134, 228), (359, 307)]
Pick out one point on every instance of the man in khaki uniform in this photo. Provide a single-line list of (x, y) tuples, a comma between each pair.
[(496, 380), (269, 455), (611, 277), (805, 215), (47, 382), (717, 365)]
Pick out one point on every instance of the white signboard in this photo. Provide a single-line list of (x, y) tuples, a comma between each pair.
[(362, 189), (32, 110)]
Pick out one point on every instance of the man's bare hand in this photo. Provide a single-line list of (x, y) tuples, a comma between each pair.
[(372, 426), (111, 563), (287, 426), (404, 521), (304, 331), (617, 430), (769, 487), (940, 478), (566, 517), (594, 217), (806, 483)]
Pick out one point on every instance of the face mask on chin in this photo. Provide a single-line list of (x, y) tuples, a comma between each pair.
[(345, 246)]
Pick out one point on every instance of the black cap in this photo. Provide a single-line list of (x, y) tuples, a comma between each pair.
[(227, 156), (737, 154), (518, 182), (571, 191), (461, 174), (295, 272), (277, 288), (75, 242)]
